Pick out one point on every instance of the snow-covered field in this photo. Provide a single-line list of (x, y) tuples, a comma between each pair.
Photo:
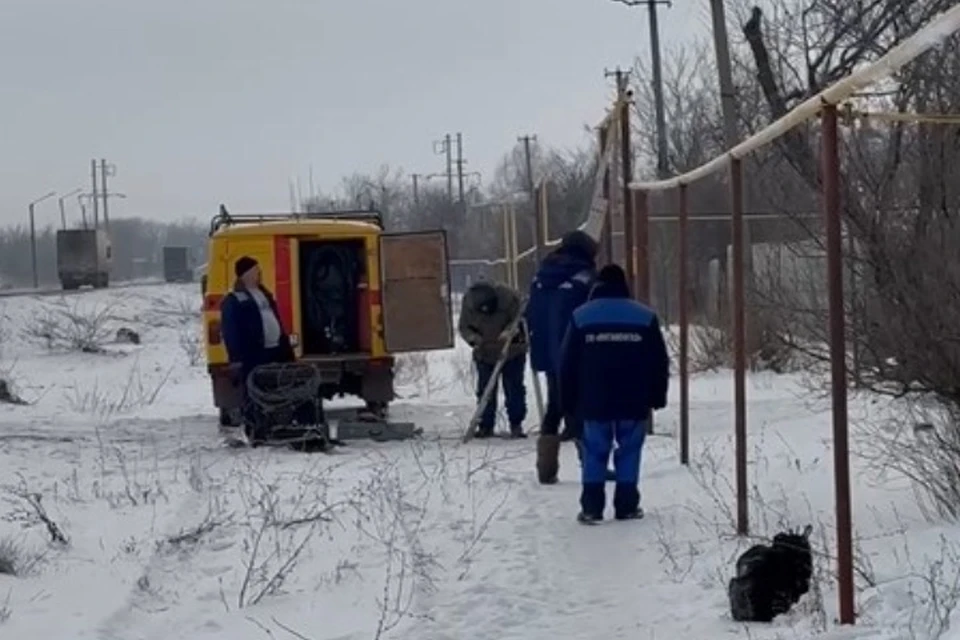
[(169, 534)]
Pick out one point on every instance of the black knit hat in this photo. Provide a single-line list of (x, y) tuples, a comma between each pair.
[(581, 241), (243, 265), (613, 274), (611, 283)]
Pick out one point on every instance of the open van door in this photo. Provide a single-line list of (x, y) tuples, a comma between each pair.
[(415, 291)]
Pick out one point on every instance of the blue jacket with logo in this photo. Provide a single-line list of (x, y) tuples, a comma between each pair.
[(561, 284), (613, 361), (241, 326)]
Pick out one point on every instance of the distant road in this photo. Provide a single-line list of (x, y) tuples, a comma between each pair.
[(56, 291)]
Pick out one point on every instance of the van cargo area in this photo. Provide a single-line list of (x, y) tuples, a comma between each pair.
[(332, 279)]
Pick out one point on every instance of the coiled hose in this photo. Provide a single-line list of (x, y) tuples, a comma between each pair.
[(279, 395)]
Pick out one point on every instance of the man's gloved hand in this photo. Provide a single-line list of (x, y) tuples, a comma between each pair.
[(505, 335)]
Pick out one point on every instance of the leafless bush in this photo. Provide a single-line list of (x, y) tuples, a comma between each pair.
[(61, 327), (191, 344), (15, 560), (215, 519), (279, 529), (8, 394), (711, 349), (923, 445), (939, 594), (29, 511), (127, 476), (394, 518), (137, 393)]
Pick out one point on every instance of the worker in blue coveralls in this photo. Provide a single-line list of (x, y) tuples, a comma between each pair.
[(562, 283), (614, 369)]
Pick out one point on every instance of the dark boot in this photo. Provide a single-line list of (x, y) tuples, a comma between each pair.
[(483, 432), (548, 459), (516, 431), (588, 518)]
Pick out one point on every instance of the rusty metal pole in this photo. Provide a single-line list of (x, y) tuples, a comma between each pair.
[(739, 347), (684, 329), (830, 157), (641, 230)]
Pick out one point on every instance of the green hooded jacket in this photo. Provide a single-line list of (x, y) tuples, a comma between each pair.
[(482, 330)]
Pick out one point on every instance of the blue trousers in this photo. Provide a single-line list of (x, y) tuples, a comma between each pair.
[(597, 443), (514, 391)]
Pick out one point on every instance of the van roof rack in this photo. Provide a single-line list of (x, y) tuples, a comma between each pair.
[(225, 218)]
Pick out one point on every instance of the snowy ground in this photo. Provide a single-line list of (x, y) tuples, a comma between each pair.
[(171, 535)]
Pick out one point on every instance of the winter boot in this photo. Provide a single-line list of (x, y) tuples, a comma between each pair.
[(483, 432), (548, 458), (516, 431), (587, 518), (636, 514)]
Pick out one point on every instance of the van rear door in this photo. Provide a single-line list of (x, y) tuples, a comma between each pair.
[(415, 291)]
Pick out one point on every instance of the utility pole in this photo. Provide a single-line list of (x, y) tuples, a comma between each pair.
[(663, 165), (449, 150), (81, 200), (63, 212), (537, 231), (460, 171), (63, 215), (445, 146), (103, 182), (96, 205), (728, 98), (728, 104), (416, 193), (33, 237), (623, 106), (526, 140)]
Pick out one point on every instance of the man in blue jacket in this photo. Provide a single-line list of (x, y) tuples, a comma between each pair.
[(562, 283), (614, 369), (252, 332)]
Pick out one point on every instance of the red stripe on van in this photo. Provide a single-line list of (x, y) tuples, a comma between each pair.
[(364, 331), (283, 284)]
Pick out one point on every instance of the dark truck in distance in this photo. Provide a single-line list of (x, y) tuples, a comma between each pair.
[(176, 264), (84, 257)]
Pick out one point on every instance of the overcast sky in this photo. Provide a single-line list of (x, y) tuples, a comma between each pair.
[(199, 102)]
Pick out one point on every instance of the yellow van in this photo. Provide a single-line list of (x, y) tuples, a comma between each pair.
[(350, 295)]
